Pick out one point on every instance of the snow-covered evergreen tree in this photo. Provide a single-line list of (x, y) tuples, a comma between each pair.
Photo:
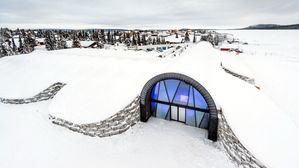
[(102, 37), (50, 41), (109, 37), (187, 38), (29, 42), (6, 49), (216, 40), (95, 36), (2, 50), (21, 47), (14, 47), (61, 42), (138, 39), (143, 39), (76, 42)]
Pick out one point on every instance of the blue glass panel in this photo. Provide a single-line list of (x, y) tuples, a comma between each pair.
[(190, 117), (191, 98), (162, 110), (200, 102), (153, 108), (171, 86), (181, 96), (205, 121), (162, 93), (199, 117), (154, 93)]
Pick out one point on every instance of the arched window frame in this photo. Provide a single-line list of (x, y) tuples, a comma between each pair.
[(145, 112)]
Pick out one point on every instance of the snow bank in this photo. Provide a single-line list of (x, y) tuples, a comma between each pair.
[(26, 75), (28, 139), (106, 89), (99, 82), (260, 125)]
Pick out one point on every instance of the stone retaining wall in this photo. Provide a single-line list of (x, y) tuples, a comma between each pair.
[(116, 124), (46, 94), (236, 151)]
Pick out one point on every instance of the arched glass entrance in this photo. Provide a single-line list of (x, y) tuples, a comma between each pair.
[(173, 99)]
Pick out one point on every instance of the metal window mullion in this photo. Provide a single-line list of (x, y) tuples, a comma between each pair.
[(180, 105), (177, 108), (194, 106), (166, 90), (176, 92), (157, 99), (187, 103), (167, 113), (202, 119)]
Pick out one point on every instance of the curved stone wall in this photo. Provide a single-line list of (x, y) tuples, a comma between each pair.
[(46, 94), (116, 124), (234, 148)]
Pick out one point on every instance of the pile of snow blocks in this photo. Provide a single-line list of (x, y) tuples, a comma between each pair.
[(236, 151), (116, 124), (46, 94)]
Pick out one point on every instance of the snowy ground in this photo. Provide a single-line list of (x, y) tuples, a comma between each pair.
[(28, 139), (272, 58), (101, 82)]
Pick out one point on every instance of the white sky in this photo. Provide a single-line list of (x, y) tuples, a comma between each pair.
[(146, 14)]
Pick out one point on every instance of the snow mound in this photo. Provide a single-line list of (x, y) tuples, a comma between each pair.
[(88, 101), (170, 144)]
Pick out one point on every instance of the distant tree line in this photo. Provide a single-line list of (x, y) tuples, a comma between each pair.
[(8, 38), (20, 41)]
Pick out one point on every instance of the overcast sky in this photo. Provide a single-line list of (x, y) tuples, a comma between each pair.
[(147, 14)]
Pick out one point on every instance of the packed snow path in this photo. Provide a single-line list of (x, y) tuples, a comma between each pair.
[(29, 139)]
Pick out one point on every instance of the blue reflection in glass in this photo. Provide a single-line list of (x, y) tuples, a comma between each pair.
[(199, 100), (153, 108), (181, 96), (162, 93), (191, 98), (199, 118), (171, 85), (205, 121), (155, 90), (190, 117), (162, 110)]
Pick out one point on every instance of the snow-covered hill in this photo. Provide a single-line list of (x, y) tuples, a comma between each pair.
[(101, 82)]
